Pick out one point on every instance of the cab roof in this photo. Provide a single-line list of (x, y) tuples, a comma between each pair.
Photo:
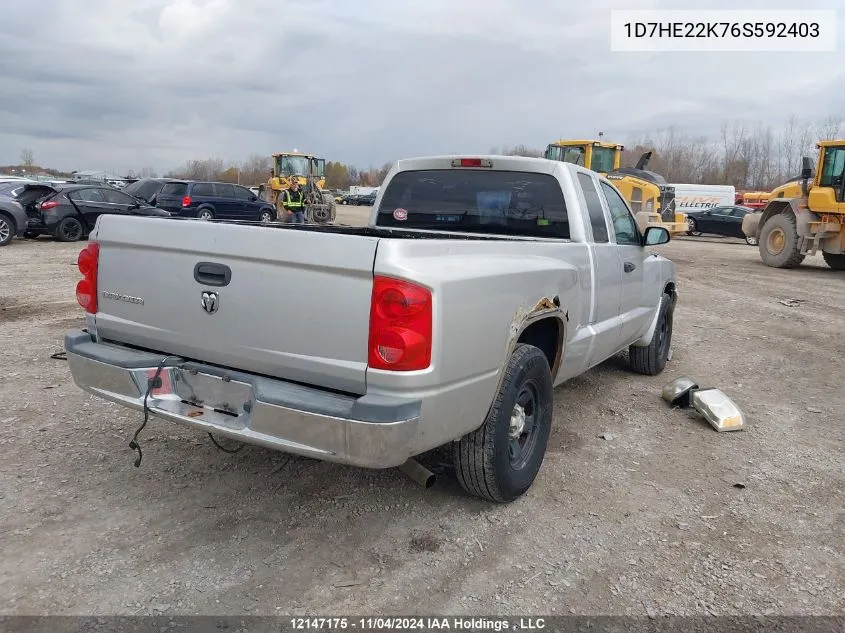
[(569, 143), (832, 143)]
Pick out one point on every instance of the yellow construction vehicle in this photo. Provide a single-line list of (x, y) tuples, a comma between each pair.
[(806, 216), (652, 200), (310, 172)]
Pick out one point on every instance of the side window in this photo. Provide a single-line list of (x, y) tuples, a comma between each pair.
[(242, 193), (176, 189), (86, 195), (117, 197), (594, 208), (834, 163), (623, 222), (833, 170), (224, 191), (203, 189), (148, 190), (554, 152)]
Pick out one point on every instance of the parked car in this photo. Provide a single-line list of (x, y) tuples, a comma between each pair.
[(214, 200), (11, 188), (68, 212), (479, 285), (12, 219), (726, 220), (367, 199), (348, 198), (147, 189)]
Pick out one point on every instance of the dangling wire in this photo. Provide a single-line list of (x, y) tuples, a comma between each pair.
[(152, 383)]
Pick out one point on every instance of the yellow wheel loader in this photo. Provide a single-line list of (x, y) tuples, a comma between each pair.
[(652, 200), (807, 216), (310, 172)]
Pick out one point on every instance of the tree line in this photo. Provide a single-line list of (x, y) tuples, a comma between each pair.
[(744, 154), (256, 170)]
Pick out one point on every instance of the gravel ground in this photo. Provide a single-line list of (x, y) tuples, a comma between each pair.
[(662, 516)]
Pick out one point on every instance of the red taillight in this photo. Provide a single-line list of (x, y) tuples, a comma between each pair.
[(471, 162), (50, 204), (86, 289), (186, 201), (400, 326)]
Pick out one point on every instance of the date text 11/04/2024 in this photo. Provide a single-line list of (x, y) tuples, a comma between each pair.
[(372, 623)]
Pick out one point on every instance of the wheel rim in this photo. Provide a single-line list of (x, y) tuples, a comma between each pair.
[(751, 241), (776, 241), (663, 336), (5, 230), (691, 225), (321, 215), (522, 429), (205, 215), (72, 231), (266, 217)]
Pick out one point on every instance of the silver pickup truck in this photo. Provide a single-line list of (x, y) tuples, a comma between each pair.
[(479, 284)]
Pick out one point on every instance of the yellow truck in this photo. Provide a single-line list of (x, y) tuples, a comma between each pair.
[(651, 198), (805, 216), (310, 172)]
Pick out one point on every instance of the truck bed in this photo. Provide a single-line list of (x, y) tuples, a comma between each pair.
[(296, 304)]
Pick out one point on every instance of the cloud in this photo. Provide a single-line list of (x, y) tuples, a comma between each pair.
[(115, 86)]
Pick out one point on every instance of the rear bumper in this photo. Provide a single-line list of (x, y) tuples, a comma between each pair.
[(368, 431)]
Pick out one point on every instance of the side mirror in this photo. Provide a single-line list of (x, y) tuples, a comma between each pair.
[(806, 168), (655, 235)]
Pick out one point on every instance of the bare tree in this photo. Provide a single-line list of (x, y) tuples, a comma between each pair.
[(521, 150), (208, 169), (829, 128), (27, 157), (255, 169)]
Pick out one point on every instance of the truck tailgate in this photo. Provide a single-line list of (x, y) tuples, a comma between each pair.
[(296, 306)]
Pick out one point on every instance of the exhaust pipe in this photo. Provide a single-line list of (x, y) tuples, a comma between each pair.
[(418, 473)]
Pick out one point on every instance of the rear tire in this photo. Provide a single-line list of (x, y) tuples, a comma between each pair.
[(69, 230), (779, 242), (751, 241), (692, 227), (205, 214), (651, 360), (267, 216), (834, 260), (7, 229), (500, 460)]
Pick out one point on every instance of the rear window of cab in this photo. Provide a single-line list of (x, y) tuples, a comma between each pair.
[(476, 201)]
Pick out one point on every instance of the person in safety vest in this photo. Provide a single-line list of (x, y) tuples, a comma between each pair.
[(294, 202)]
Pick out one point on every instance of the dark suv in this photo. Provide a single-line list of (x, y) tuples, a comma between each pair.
[(147, 189), (213, 200)]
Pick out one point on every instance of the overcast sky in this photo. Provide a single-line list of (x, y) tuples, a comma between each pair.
[(123, 84)]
